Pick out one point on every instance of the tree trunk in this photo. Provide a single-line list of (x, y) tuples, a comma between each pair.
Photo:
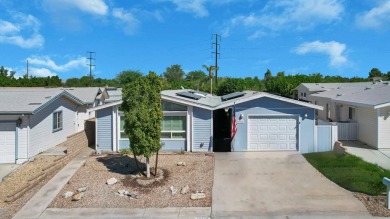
[(155, 168), (136, 164), (147, 168)]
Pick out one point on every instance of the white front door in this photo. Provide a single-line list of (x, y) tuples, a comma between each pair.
[(7, 142), (272, 133)]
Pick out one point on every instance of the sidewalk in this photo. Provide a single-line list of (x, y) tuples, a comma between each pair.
[(42, 199)]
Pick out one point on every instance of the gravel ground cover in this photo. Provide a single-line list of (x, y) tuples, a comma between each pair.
[(197, 174), (376, 205), (18, 179)]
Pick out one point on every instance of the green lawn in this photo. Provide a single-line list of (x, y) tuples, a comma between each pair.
[(350, 172)]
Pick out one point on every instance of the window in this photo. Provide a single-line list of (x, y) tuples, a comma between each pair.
[(301, 94), (57, 121), (304, 94), (351, 113), (122, 133), (167, 106), (173, 127)]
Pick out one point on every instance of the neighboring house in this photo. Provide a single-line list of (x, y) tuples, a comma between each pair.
[(197, 121), (367, 104), (35, 119)]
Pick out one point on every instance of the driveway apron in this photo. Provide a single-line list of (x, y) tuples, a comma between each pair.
[(276, 184)]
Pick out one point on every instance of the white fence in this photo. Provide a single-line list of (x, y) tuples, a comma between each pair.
[(347, 131), (326, 136)]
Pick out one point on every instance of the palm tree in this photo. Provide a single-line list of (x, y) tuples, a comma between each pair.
[(210, 69)]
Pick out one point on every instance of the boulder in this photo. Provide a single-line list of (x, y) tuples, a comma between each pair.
[(77, 196), (133, 194), (67, 194), (195, 196), (185, 190), (82, 189), (173, 190), (181, 163), (111, 181)]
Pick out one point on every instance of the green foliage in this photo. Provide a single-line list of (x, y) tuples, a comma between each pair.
[(125, 151), (174, 73), (230, 85), (197, 79), (84, 81), (7, 79), (350, 172), (128, 76), (375, 72), (143, 114)]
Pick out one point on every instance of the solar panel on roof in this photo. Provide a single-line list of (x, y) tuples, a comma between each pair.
[(232, 96), (188, 95)]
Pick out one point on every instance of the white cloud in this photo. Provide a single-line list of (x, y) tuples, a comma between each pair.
[(333, 49), (96, 7), (193, 6), (41, 72), (290, 14), (375, 18), (47, 62), (13, 33), (126, 17)]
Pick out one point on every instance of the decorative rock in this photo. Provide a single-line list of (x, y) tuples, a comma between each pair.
[(181, 163), (195, 196), (82, 189), (122, 192), (173, 190), (133, 194), (67, 194), (185, 190), (111, 181), (77, 196)]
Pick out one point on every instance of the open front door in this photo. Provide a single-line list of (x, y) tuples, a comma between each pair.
[(221, 130)]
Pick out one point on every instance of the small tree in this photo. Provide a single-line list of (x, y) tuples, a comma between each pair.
[(143, 116), (174, 73), (231, 85), (128, 76), (210, 69)]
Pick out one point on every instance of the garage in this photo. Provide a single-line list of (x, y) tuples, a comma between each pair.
[(272, 133), (7, 142)]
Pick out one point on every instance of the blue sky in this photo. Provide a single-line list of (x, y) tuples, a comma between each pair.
[(333, 37)]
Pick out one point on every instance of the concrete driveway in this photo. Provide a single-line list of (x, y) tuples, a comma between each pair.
[(276, 184)]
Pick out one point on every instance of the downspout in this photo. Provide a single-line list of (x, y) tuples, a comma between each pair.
[(28, 137), (16, 140)]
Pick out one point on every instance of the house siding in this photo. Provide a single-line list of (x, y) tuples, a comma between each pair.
[(23, 140), (267, 106), (384, 128), (104, 129), (201, 129), (42, 136), (367, 126), (83, 115)]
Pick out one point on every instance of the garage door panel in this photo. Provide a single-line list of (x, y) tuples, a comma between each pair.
[(7, 142), (272, 133)]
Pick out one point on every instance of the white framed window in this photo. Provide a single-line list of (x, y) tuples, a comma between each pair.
[(168, 106), (174, 127), (304, 94), (122, 133), (57, 121), (351, 113)]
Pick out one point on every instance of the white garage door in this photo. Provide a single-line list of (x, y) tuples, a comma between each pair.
[(7, 142), (272, 133)]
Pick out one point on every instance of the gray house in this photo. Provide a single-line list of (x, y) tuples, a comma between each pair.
[(33, 120), (197, 121)]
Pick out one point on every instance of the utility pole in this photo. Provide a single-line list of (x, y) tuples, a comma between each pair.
[(216, 55), (90, 65), (27, 69)]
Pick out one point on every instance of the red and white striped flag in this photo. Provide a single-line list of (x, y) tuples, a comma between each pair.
[(233, 130)]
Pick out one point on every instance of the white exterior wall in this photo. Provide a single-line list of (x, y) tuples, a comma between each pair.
[(367, 126), (384, 128), (42, 136), (23, 140), (83, 115)]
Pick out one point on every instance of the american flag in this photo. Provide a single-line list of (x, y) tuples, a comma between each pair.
[(234, 123)]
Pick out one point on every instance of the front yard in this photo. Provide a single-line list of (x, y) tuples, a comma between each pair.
[(355, 175), (197, 174)]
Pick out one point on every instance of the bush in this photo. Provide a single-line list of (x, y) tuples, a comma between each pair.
[(125, 151)]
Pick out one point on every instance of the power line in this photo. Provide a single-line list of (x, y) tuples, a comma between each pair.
[(216, 55), (90, 65)]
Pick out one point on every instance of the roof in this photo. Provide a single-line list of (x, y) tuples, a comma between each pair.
[(375, 95), (211, 102), (316, 87), (86, 94), (30, 100), (114, 94)]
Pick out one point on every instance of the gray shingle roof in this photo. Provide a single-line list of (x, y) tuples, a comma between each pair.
[(372, 95), (313, 87), (30, 100), (86, 94)]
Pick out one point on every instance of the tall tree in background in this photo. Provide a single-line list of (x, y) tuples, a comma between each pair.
[(174, 73), (143, 115), (231, 85), (196, 78), (128, 76), (210, 69), (375, 72)]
